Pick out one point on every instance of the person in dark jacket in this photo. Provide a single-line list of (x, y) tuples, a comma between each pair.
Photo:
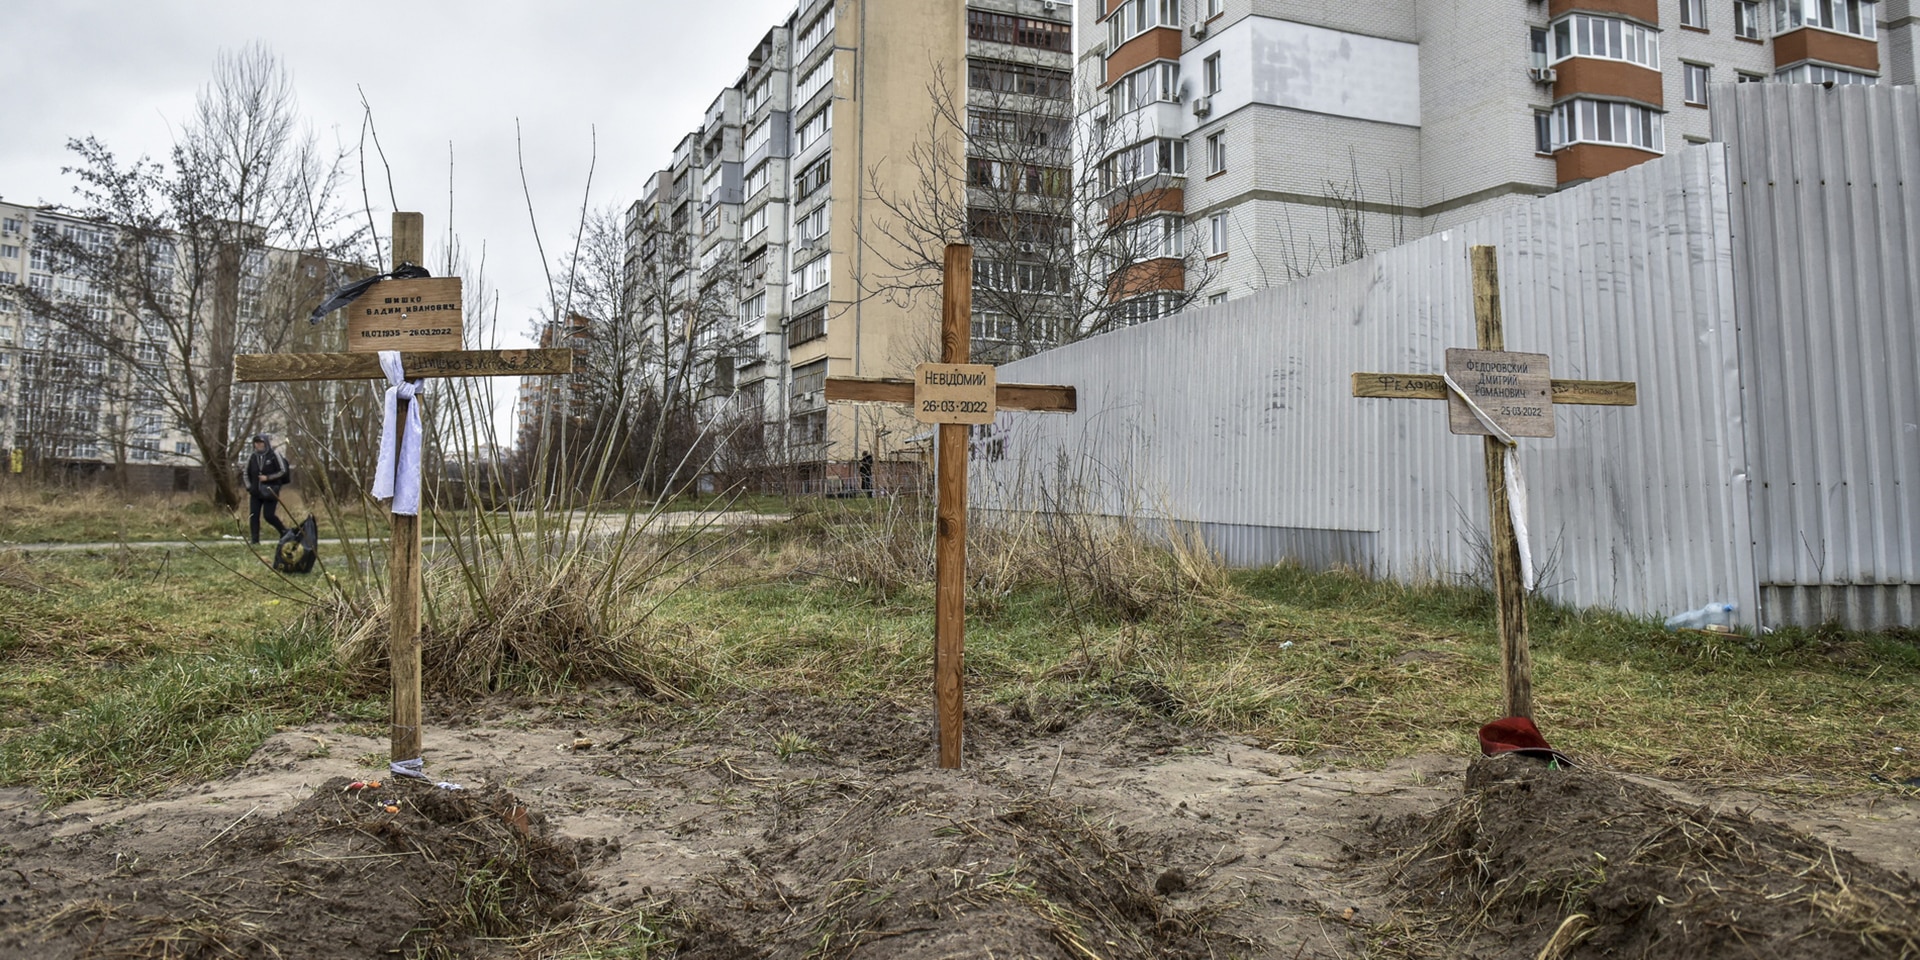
[(266, 474)]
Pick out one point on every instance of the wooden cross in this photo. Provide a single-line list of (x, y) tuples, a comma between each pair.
[(1514, 390), (409, 235), (953, 394)]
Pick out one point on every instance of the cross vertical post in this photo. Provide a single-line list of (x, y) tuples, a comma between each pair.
[(403, 597), (953, 394), (1510, 595), (950, 516)]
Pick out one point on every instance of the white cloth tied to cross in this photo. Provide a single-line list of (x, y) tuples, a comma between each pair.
[(1516, 484), (398, 474)]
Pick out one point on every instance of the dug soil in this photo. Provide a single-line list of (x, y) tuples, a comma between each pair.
[(811, 829)]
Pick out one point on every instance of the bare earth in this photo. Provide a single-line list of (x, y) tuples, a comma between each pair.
[(1066, 836)]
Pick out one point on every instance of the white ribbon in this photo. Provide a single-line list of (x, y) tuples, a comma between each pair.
[(1516, 484), (417, 769), (398, 476)]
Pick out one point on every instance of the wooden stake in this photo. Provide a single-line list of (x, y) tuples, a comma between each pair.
[(403, 651), (1510, 595), (950, 517)]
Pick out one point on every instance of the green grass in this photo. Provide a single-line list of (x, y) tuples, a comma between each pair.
[(129, 673), (1337, 666)]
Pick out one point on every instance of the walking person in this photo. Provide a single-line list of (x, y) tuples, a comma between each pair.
[(266, 474)]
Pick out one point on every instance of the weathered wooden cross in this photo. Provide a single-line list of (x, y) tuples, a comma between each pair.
[(953, 394), (1514, 392), (419, 318)]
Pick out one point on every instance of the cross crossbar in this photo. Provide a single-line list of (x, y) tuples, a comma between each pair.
[(1429, 386), (1042, 397), (279, 367)]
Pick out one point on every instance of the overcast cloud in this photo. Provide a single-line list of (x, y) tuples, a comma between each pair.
[(642, 72)]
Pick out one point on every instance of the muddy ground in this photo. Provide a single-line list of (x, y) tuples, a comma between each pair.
[(804, 829)]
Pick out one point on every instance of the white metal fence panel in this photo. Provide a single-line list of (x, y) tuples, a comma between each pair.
[(1827, 238), (1238, 419)]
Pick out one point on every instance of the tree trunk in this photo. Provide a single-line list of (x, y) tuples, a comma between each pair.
[(214, 431)]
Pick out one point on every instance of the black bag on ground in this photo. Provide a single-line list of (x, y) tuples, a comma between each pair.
[(298, 548)]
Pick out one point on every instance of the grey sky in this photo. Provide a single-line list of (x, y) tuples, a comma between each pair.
[(643, 71)]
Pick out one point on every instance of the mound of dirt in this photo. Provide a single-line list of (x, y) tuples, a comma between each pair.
[(347, 873), (927, 870), (1550, 863)]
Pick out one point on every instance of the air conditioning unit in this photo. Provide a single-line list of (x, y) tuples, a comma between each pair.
[(1543, 74), (1198, 30), (1202, 106)]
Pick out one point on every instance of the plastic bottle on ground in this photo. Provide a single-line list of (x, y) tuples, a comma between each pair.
[(1711, 615)]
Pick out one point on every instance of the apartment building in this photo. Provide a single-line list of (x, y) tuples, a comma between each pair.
[(1295, 135), (86, 400), (771, 248)]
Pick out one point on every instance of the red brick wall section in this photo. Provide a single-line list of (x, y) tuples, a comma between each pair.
[(1170, 199), (1610, 78), (1837, 49), (1645, 11), (1585, 161), (1160, 43)]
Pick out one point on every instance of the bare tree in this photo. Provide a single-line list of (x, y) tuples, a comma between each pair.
[(196, 252), (1062, 250)]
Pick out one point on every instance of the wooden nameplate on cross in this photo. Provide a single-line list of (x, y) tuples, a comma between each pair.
[(953, 394), (437, 323), (1511, 391)]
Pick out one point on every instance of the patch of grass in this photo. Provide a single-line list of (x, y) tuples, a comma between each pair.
[(35, 514), (128, 673)]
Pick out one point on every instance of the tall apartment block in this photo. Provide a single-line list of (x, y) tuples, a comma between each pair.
[(1294, 135), (771, 224), (83, 399)]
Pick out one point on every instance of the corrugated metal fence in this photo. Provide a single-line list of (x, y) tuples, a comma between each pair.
[(1238, 419), (1826, 202)]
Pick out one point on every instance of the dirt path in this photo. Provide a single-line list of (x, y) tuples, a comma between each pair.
[(781, 830)]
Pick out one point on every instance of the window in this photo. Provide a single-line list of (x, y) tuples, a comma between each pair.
[(816, 31), (1845, 16), (758, 179), (1537, 38), (1019, 31), (755, 222), (814, 225), (811, 325), (812, 276), (815, 81), (753, 311), (1601, 121), (1217, 235), (1581, 35), (1156, 238), (1133, 17), (8, 278), (1693, 13), (1745, 77), (1212, 67), (1216, 8), (12, 227), (1696, 83), (1815, 73), (1142, 160), (1217, 153), (816, 175), (182, 447), (10, 251), (1011, 127), (761, 92), (999, 76), (1142, 309), (1214, 300), (1152, 83), (1746, 19), (1543, 131), (758, 137), (814, 129)]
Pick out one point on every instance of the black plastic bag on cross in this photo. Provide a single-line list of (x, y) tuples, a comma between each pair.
[(298, 548)]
